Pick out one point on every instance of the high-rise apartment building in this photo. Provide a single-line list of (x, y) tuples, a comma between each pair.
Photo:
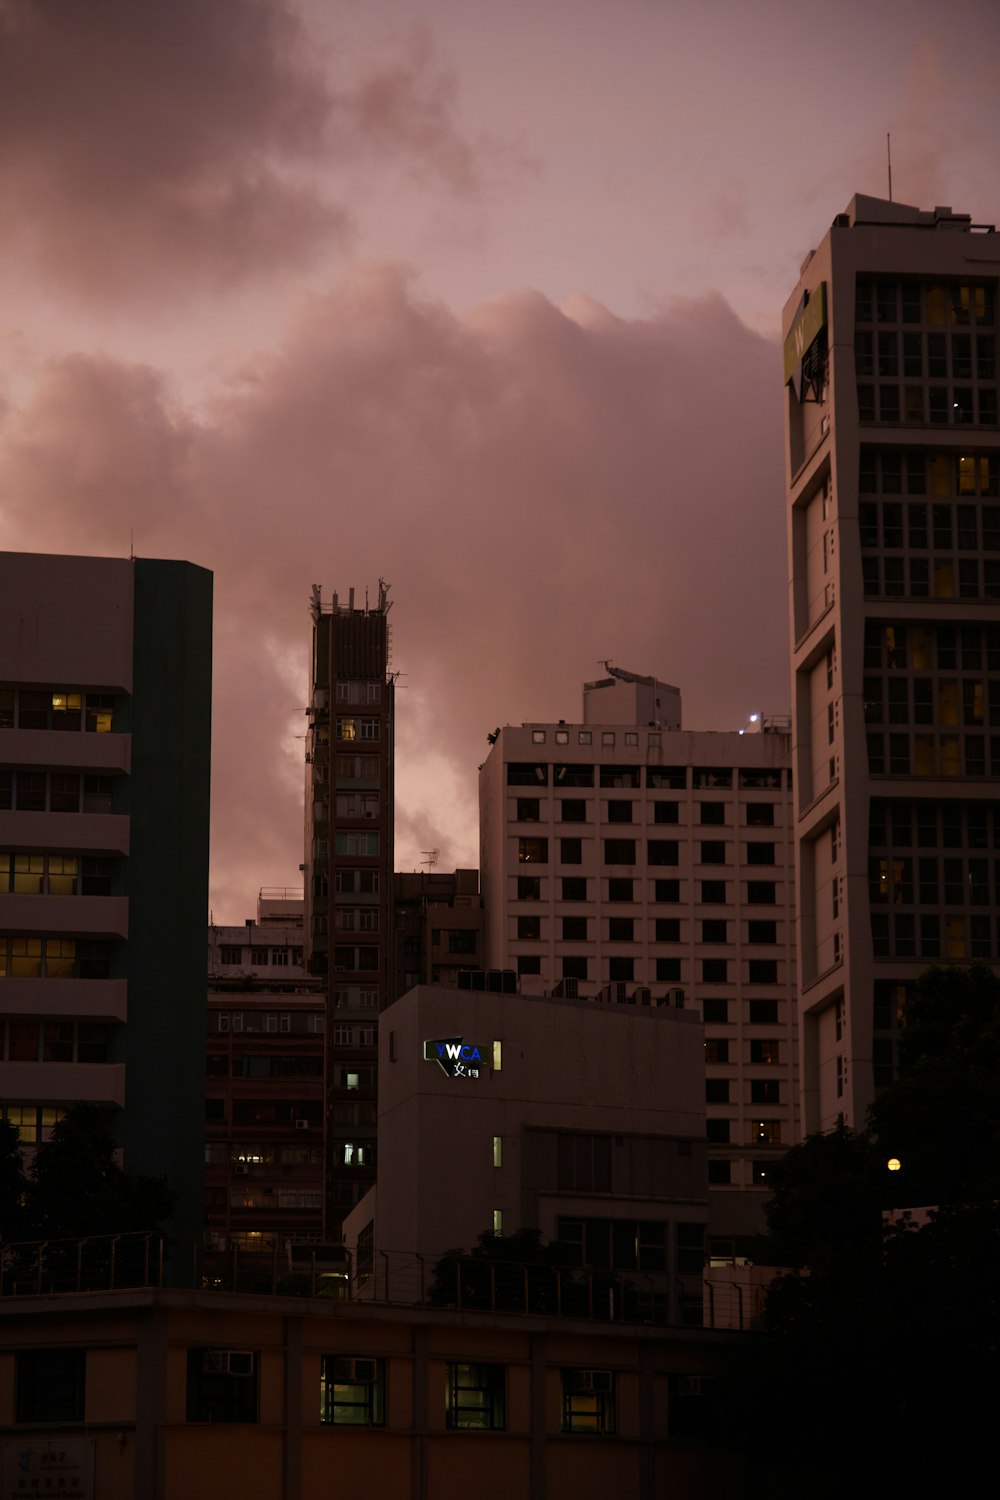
[(622, 856), (894, 557), (438, 921), (348, 870), (105, 720)]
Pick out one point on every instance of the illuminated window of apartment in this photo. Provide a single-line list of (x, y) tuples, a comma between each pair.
[(588, 1401), (474, 1397), (498, 1221), (765, 1052), (533, 851), (50, 1385), (347, 728), (765, 1132), (352, 1390), (222, 1385)]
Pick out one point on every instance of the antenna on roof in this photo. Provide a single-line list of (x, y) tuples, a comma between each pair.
[(430, 858), (888, 158)]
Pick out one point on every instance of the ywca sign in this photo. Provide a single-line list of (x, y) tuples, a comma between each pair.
[(458, 1058)]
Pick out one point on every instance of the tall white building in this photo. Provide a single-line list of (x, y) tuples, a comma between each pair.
[(624, 856), (893, 468)]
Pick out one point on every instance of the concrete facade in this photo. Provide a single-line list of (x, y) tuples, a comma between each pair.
[(893, 469), (438, 922), (104, 799), (628, 857)]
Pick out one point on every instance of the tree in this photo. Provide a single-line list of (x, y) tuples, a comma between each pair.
[(13, 1186), (75, 1187)]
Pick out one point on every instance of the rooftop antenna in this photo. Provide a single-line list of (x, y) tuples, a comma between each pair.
[(430, 858), (888, 158)]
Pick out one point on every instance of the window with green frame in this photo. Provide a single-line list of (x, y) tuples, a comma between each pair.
[(474, 1397)]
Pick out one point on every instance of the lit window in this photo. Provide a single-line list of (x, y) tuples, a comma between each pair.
[(588, 1401), (474, 1397), (498, 1150), (538, 736), (352, 1391)]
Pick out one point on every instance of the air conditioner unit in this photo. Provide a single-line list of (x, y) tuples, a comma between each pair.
[(301, 1124), (598, 1382), (353, 1371), (228, 1362)]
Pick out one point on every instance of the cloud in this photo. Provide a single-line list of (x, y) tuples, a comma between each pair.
[(543, 488), (157, 151)]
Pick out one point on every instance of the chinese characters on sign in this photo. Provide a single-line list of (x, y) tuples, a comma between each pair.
[(457, 1057)]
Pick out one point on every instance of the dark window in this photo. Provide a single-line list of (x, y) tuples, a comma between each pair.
[(717, 1132), (662, 852), (574, 887), (620, 776), (714, 970), (760, 854), (713, 812), (571, 851), (527, 809), (716, 1050), (667, 891), (583, 1163), (619, 812), (352, 1390), (763, 1012), (620, 889), (713, 930), (668, 929), (564, 776), (529, 888), (527, 773), (765, 1052), (763, 971), (760, 814), (50, 1384), (695, 1408), (720, 1173), (668, 970), (574, 929), (621, 929), (222, 1385), (529, 928), (762, 932), (621, 970), (713, 852), (619, 851), (573, 810), (666, 812), (716, 1012), (760, 893), (574, 966), (765, 1091), (474, 1397), (713, 892), (529, 963), (716, 1090)]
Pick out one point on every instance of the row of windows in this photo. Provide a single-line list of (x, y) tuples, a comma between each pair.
[(662, 892), (351, 728), (900, 824), (262, 1065), (928, 648), (353, 768), (55, 875), (45, 708), (24, 1039), (953, 938), (766, 1051), (279, 1113), (940, 578), (225, 1153), (721, 1173), (535, 851), (267, 1021), (895, 471), (902, 881), (935, 405), (260, 958), (54, 958), (759, 1090), (718, 1132), (939, 304), (33, 1122), (631, 1244), (628, 930), (936, 755), (943, 527), (925, 356), (223, 1386), (23, 790), (943, 701), (274, 1199), (574, 810), (358, 690), (536, 773), (664, 970)]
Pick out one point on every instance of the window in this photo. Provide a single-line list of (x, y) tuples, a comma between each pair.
[(619, 812), (588, 1401), (713, 812), (760, 893), (583, 1163), (621, 929), (573, 810), (763, 1012), (574, 887), (222, 1385), (713, 892), (760, 814), (716, 1051), (764, 1052), (668, 970), (474, 1397), (714, 970), (538, 736), (574, 967), (715, 1012), (571, 851), (668, 929), (666, 812), (619, 851), (533, 851), (50, 1385), (621, 970), (529, 888), (765, 1091), (529, 928), (527, 809), (662, 852), (762, 971), (667, 891), (720, 1173), (716, 1090), (714, 929), (765, 1132), (562, 736), (717, 1132), (762, 932), (574, 929), (529, 963), (713, 852), (352, 1391), (620, 889), (760, 854)]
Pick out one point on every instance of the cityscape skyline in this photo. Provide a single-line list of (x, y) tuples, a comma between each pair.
[(281, 334)]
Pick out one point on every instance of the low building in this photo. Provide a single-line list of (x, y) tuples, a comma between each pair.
[(579, 1119)]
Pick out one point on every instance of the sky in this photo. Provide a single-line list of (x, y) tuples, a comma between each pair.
[(479, 299)]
